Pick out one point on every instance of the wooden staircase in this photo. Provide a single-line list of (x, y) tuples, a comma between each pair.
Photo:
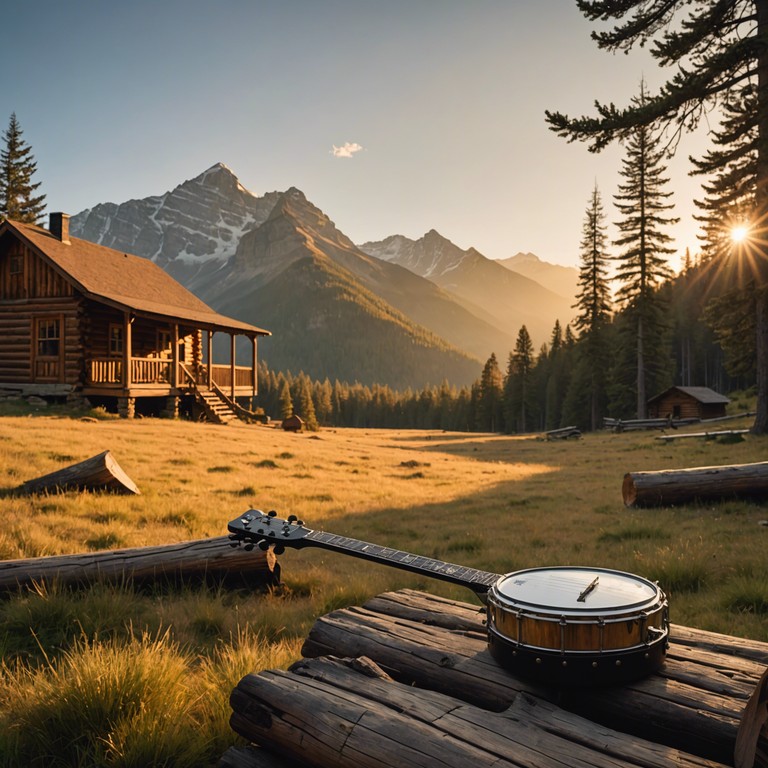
[(216, 408)]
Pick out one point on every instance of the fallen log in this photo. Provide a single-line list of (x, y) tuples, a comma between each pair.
[(563, 433), (678, 486), (694, 703), (348, 713), (705, 435), (202, 558), (101, 472)]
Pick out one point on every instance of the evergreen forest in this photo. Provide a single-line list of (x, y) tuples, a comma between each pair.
[(705, 338)]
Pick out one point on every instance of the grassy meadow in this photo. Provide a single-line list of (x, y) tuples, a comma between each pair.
[(114, 676)]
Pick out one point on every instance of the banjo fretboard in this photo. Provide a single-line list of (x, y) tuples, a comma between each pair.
[(476, 580)]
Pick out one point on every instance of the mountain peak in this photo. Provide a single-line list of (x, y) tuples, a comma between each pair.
[(221, 177)]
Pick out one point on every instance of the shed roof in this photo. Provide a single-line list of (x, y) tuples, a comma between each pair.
[(124, 281), (702, 394)]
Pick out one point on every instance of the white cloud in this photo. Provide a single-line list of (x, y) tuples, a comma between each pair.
[(346, 150)]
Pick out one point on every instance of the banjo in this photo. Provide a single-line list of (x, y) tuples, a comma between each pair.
[(563, 625)]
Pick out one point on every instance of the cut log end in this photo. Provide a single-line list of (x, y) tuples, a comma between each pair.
[(628, 490)]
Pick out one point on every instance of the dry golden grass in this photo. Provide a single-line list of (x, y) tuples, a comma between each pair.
[(492, 502)]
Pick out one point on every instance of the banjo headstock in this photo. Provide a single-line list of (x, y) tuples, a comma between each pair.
[(255, 528)]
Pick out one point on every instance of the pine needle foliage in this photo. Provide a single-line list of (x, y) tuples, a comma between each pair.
[(18, 198)]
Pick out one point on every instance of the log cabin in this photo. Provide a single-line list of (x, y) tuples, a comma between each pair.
[(78, 320), (688, 403)]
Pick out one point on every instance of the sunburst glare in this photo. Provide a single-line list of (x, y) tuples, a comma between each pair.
[(739, 233)]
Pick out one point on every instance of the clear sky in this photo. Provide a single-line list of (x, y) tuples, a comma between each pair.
[(392, 116)]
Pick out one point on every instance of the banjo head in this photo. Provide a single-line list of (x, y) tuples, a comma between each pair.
[(566, 589), (578, 625)]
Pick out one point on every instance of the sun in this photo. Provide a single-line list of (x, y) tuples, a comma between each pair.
[(739, 233)]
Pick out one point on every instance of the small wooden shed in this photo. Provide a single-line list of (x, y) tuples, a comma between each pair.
[(293, 423), (688, 403)]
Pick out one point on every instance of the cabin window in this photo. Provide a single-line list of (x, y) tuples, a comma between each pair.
[(48, 338), (115, 339), (675, 411), (17, 264)]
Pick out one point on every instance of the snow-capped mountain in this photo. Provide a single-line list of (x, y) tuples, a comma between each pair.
[(200, 221)]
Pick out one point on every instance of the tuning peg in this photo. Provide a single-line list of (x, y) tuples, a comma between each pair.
[(248, 547), (263, 545), (292, 518), (299, 522), (279, 549), (272, 513)]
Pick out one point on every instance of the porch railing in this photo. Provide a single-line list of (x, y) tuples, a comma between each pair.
[(144, 370), (154, 370), (222, 375)]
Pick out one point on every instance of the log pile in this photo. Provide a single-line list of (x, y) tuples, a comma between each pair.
[(203, 558), (407, 680)]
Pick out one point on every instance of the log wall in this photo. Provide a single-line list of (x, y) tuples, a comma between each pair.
[(31, 290)]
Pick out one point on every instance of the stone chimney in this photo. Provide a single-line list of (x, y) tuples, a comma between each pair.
[(58, 226)]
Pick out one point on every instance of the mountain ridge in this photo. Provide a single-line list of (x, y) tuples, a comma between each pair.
[(281, 262)]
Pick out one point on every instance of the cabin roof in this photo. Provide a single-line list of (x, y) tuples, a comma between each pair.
[(702, 394), (124, 281)]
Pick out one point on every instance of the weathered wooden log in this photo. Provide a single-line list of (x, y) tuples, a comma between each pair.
[(563, 433), (706, 435), (201, 558), (678, 486), (333, 712), (101, 472), (694, 703), (748, 752)]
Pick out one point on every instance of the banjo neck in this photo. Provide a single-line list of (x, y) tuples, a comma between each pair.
[(472, 578), (265, 531)]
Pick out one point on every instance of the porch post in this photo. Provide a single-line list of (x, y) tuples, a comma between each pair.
[(232, 364), (127, 351), (210, 357), (255, 383), (175, 357)]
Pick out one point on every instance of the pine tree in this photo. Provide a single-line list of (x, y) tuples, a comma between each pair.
[(286, 401), (518, 389), (17, 166), (643, 263), (593, 304), (489, 398), (718, 49)]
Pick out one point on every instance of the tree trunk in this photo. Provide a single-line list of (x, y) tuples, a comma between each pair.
[(761, 201), (641, 398), (760, 427), (679, 486)]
